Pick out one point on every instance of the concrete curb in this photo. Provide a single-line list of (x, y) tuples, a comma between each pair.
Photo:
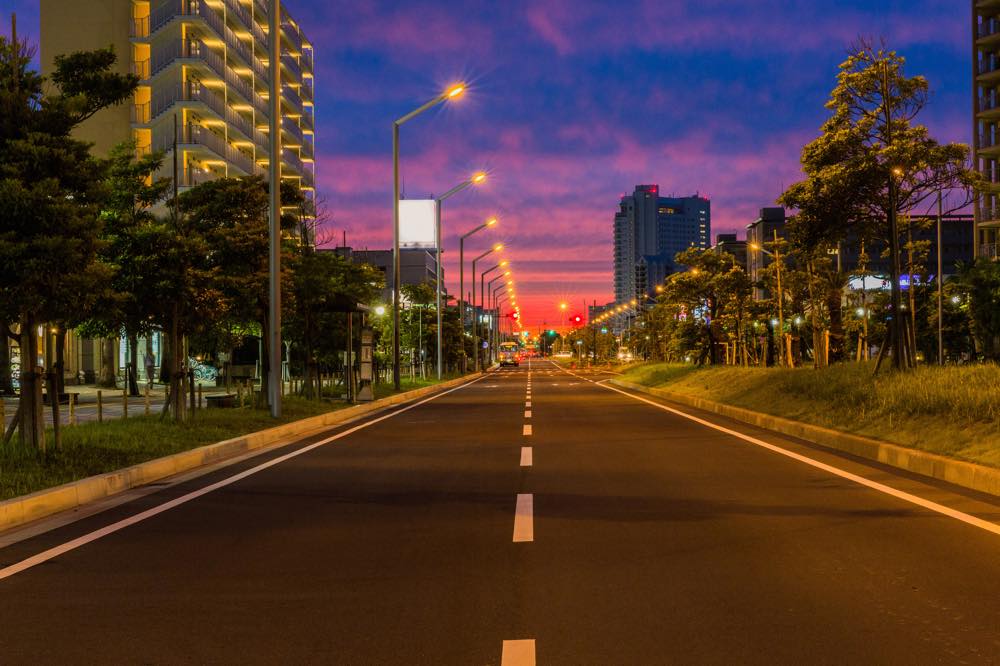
[(966, 474), (18, 511)]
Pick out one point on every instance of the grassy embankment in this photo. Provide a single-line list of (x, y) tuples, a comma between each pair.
[(952, 411), (95, 448)]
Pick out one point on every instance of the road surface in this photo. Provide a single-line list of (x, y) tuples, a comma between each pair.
[(534, 516)]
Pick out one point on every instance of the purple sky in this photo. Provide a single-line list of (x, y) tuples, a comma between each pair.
[(573, 103)]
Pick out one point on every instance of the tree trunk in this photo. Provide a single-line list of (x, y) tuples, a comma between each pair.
[(31, 426), (60, 363), (133, 360), (834, 305), (6, 375), (166, 357), (106, 378)]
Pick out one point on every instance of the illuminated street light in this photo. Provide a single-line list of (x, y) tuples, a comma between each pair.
[(452, 92), (461, 278), (476, 179)]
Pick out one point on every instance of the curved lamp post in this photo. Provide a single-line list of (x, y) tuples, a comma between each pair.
[(475, 180), (451, 93), (475, 327), (482, 290), (461, 279)]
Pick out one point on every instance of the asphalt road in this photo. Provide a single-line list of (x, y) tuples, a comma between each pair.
[(627, 534)]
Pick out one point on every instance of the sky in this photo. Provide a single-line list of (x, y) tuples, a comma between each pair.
[(572, 103)]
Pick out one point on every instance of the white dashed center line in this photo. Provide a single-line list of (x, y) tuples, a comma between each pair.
[(527, 414), (518, 653), (527, 429), (524, 518), (526, 458)]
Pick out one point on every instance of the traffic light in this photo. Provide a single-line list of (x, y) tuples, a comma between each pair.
[(516, 315), (577, 320), (552, 334)]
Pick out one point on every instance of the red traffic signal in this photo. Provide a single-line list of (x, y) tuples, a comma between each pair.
[(515, 314), (577, 320)]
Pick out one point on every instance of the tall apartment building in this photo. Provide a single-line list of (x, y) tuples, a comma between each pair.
[(649, 230), (203, 64), (985, 120)]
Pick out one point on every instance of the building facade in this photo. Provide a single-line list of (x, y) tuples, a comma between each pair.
[(985, 121), (729, 244), (416, 266), (649, 230), (204, 87), (203, 69)]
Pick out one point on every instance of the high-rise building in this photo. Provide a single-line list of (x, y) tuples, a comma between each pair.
[(985, 121), (649, 230), (202, 64)]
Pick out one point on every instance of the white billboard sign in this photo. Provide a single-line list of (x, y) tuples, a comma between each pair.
[(416, 223)]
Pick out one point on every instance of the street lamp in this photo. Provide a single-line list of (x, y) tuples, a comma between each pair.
[(475, 180), (482, 293), (776, 255), (461, 279), (475, 326), (452, 92)]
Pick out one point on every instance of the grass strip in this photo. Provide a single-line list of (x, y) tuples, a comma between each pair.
[(96, 448), (952, 411)]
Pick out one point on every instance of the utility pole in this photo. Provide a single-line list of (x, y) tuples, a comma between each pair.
[(274, 169), (940, 281)]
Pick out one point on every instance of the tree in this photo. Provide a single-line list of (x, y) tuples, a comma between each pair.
[(873, 162), (50, 191), (129, 226), (979, 282)]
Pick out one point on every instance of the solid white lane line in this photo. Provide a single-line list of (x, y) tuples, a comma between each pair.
[(527, 429), (73, 544), (527, 413), (524, 518), (518, 653), (526, 457), (836, 471)]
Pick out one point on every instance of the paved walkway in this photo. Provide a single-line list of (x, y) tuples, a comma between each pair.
[(112, 407)]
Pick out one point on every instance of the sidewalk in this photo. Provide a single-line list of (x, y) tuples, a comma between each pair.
[(113, 405)]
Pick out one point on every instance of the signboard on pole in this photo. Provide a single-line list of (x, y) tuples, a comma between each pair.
[(417, 218), (365, 373)]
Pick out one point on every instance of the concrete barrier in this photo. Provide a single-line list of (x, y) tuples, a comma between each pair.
[(21, 510), (960, 472)]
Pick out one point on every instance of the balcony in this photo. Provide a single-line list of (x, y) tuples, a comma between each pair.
[(308, 180), (196, 135), (293, 67), (292, 33), (200, 9), (306, 121), (987, 29), (988, 103), (292, 127), (289, 157), (291, 97), (989, 250), (141, 69), (140, 113), (237, 8), (139, 29), (988, 65)]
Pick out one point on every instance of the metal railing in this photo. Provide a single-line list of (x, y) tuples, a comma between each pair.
[(292, 127), (191, 134), (987, 28), (307, 150), (989, 250), (307, 122), (988, 103), (293, 97), (293, 66), (988, 65), (308, 180), (288, 156), (292, 32)]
